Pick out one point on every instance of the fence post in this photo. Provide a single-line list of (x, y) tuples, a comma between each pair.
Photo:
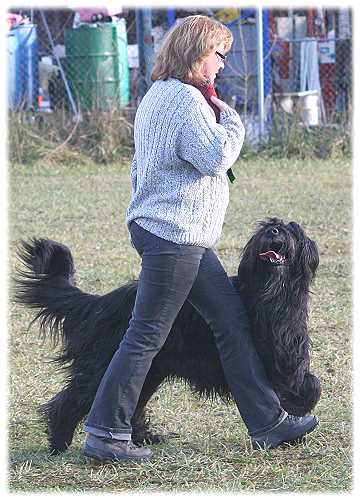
[(260, 71), (146, 51), (63, 75), (171, 17)]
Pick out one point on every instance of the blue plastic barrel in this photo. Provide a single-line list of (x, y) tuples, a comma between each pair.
[(23, 67)]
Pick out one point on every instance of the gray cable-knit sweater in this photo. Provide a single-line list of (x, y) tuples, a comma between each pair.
[(179, 183)]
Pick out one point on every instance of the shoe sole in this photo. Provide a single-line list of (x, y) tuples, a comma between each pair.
[(95, 454), (293, 441)]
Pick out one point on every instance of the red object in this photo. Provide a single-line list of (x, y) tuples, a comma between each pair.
[(283, 58), (328, 86), (207, 90), (272, 25), (310, 22), (13, 20)]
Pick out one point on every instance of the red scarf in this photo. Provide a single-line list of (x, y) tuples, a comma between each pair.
[(207, 89)]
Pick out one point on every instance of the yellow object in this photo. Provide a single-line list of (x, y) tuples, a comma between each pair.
[(227, 15)]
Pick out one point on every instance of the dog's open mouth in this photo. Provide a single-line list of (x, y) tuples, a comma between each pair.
[(273, 257)]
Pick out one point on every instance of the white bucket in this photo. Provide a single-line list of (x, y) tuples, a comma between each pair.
[(310, 110)]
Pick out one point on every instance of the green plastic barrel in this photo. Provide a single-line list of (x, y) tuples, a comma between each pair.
[(97, 65)]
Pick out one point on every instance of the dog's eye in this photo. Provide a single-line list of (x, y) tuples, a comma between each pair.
[(275, 230)]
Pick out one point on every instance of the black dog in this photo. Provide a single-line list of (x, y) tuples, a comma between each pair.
[(276, 269)]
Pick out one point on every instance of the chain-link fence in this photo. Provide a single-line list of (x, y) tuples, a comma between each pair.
[(305, 76), (88, 59)]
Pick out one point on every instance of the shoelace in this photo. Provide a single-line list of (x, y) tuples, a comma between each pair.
[(294, 418), (131, 445)]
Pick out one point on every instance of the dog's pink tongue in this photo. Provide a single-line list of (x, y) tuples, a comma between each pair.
[(270, 254)]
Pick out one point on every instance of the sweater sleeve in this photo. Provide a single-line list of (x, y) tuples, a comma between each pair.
[(210, 147), (133, 175)]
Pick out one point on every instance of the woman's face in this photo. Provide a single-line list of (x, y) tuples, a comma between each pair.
[(213, 63)]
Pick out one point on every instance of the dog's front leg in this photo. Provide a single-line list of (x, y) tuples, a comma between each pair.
[(140, 422), (300, 399)]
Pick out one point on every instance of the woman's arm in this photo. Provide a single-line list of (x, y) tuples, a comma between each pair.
[(211, 147)]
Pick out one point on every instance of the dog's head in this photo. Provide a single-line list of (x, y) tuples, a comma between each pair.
[(279, 249)]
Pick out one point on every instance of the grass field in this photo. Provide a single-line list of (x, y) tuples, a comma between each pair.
[(84, 208)]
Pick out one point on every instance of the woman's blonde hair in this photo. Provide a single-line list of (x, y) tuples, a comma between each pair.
[(186, 45)]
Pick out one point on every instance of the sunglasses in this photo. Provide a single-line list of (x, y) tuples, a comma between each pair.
[(222, 57)]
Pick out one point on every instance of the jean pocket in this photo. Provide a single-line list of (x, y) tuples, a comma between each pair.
[(136, 236), (144, 240)]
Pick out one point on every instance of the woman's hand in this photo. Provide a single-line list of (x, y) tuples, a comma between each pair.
[(220, 104)]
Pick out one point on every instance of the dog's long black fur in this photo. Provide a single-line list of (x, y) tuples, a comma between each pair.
[(276, 269)]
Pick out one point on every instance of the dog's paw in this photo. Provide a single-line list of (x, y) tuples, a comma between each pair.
[(152, 437)]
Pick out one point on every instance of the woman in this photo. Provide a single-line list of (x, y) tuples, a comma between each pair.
[(179, 198)]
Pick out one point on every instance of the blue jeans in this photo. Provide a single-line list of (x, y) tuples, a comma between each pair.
[(170, 274)]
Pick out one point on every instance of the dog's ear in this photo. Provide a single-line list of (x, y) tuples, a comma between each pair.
[(310, 256), (307, 254), (246, 266)]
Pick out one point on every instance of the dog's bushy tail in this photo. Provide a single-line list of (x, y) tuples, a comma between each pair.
[(43, 257), (46, 282)]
